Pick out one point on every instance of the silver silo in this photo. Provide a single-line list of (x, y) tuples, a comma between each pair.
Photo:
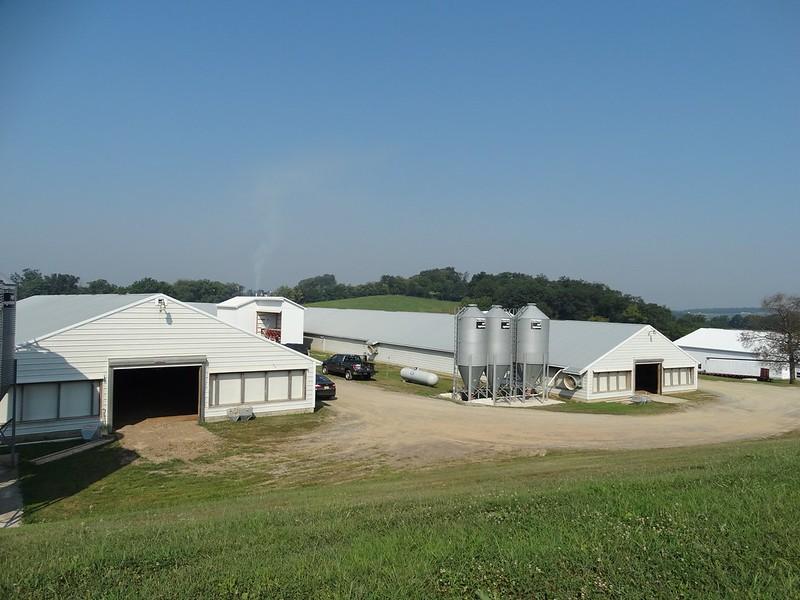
[(533, 347), (471, 346), (499, 347)]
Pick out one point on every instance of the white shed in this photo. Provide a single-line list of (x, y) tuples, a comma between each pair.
[(721, 352), (274, 317), (113, 359)]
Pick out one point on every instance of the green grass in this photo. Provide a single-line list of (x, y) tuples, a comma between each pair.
[(612, 408), (111, 479), (387, 377), (392, 303), (713, 522), (618, 408), (778, 382)]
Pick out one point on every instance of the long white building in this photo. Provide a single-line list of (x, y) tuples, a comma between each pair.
[(612, 359), (721, 352), (113, 359)]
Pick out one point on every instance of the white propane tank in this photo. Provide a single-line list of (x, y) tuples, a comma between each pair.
[(416, 376)]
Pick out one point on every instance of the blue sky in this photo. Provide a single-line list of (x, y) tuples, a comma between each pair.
[(651, 146)]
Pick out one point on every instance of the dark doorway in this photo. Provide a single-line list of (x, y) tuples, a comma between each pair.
[(155, 392), (647, 378)]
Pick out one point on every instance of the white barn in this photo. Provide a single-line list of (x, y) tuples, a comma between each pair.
[(612, 359), (106, 359), (721, 352)]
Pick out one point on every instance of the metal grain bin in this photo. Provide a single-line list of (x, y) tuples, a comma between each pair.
[(533, 345), (499, 347), (471, 345)]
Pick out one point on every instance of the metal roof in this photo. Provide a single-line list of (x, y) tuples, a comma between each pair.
[(578, 344), (239, 301), (573, 344), (709, 338), (208, 307), (38, 316)]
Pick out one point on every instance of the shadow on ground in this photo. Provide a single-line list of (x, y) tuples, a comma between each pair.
[(48, 484)]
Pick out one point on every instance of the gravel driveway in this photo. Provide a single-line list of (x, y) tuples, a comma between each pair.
[(403, 428)]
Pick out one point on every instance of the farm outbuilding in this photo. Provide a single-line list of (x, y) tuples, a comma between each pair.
[(274, 317), (612, 360), (111, 360), (721, 352)]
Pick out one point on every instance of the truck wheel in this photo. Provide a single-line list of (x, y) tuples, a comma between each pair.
[(324, 370), (348, 375)]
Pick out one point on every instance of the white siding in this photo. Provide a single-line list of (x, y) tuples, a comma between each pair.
[(428, 360), (739, 364), (333, 345), (401, 356), (558, 387), (292, 323), (142, 333)]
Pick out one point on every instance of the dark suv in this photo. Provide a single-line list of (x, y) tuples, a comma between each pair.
[(349, 365)]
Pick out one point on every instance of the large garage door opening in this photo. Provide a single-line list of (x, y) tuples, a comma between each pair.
[(155, 392), (647, 378)]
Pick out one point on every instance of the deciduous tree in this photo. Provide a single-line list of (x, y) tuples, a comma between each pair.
[(779, 343)]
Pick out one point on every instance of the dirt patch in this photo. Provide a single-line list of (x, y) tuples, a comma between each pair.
[(168, 438), (368, 428)]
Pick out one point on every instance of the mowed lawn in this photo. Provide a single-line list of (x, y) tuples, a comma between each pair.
[(392, 303), (713, 522)]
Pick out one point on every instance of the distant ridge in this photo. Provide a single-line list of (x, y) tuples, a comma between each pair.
[(392, 302), (725, 312)]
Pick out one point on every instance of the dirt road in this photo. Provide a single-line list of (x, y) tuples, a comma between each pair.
[(405, 428)]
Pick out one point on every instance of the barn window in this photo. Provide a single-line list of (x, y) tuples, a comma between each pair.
[(612, 381), (297, 383), (77, 399), (678, 377), (59, 400), (278, 386), (227, 388), (256, 387), (39, 401)]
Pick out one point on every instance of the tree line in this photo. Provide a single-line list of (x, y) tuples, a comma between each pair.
[(561, 298), (774, 335), (31, 282)]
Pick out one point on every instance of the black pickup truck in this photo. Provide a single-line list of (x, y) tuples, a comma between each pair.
[(349, 365)]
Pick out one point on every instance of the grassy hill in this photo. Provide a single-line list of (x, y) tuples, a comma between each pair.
[(392, 303), (712, 522)]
